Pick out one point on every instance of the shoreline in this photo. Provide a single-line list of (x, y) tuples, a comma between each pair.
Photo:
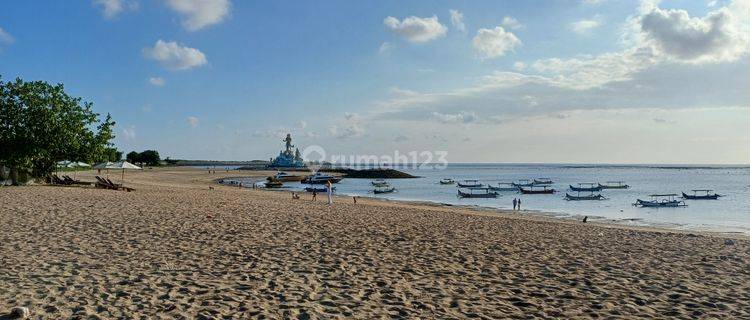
[(181, 246), (525, 213)]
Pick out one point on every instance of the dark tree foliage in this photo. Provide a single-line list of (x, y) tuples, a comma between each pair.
[(133, 157), (148, 157), (40, 124)]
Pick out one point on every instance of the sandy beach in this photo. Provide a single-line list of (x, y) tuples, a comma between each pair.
[(175, 248)]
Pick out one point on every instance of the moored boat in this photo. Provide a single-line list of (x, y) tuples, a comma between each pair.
[(274, 184), (447, 181), (614, 185), (470, 184), (320, 178), (503, 186), (379, 183), (286, 177), (384, 189), (319, 190), (579, 197), (586, 187), (477, 193), (523, 183), (701, 196), (543, 181), (660, 201), (537, 190)]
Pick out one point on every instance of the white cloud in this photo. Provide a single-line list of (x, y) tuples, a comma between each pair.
[(591, 2), (519, 65), (5, 37), (719, 36), (584, 26), (385, 48), (457, 20), (463, 117), (511, 23), (492, 43), (197, 14), (146, 108), (112, 8), (416, 29), (174, 56), (157, 81), (279, 132), (302, 124), (350, 127), (192, 121), (128, 134)]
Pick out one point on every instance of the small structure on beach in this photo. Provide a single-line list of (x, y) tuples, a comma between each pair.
[(288, 158)]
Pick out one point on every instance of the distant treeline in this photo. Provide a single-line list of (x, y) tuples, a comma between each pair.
[(218, 163)]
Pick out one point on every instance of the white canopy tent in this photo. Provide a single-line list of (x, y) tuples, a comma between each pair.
[(123, 165)]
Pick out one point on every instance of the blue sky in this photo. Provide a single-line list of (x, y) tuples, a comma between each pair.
[(507, 81)]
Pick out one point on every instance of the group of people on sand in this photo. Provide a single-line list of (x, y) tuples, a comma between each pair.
[(516, 204)]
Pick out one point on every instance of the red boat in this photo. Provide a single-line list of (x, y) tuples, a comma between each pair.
[(537, 190)]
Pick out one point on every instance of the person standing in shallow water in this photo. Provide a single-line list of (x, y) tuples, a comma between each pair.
[(519, 204), (515, 201)]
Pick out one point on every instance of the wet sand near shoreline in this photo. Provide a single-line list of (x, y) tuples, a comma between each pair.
[(176, 249)]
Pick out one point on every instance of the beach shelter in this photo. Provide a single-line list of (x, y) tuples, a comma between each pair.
[(103, 166), (124, 165), (77, 164)]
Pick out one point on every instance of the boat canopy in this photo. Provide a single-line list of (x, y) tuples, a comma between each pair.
[(702, 190), (664, 195)]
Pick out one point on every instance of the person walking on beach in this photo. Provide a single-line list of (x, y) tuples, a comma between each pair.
[(329, 190), (515, 201), (315, 194), (519, 204)]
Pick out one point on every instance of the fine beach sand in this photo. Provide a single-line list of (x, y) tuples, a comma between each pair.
[(175, 249)]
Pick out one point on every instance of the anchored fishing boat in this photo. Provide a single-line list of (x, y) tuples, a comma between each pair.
[(705, 194), (447, 181), (379, 183), (614, 185), (320, 178), (586, 186), (503, 186), (537, 190), (523, 183), (579, 197), (477, 193), (470, 184), (384, 189), (660, 201), (543, 181)]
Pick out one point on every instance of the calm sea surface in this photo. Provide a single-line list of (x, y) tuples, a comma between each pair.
[(730, 213)]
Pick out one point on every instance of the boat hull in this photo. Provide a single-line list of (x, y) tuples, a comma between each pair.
[(389, 190), (288, 178), (706, 197), (604, 186), (506, 189), (319, 190), (529, 191), (586, 189), (477, 195), (583, 198), (470, 185), (321, 181), (659, 204)]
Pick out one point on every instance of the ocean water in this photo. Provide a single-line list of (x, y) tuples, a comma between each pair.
[(730, 213)]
